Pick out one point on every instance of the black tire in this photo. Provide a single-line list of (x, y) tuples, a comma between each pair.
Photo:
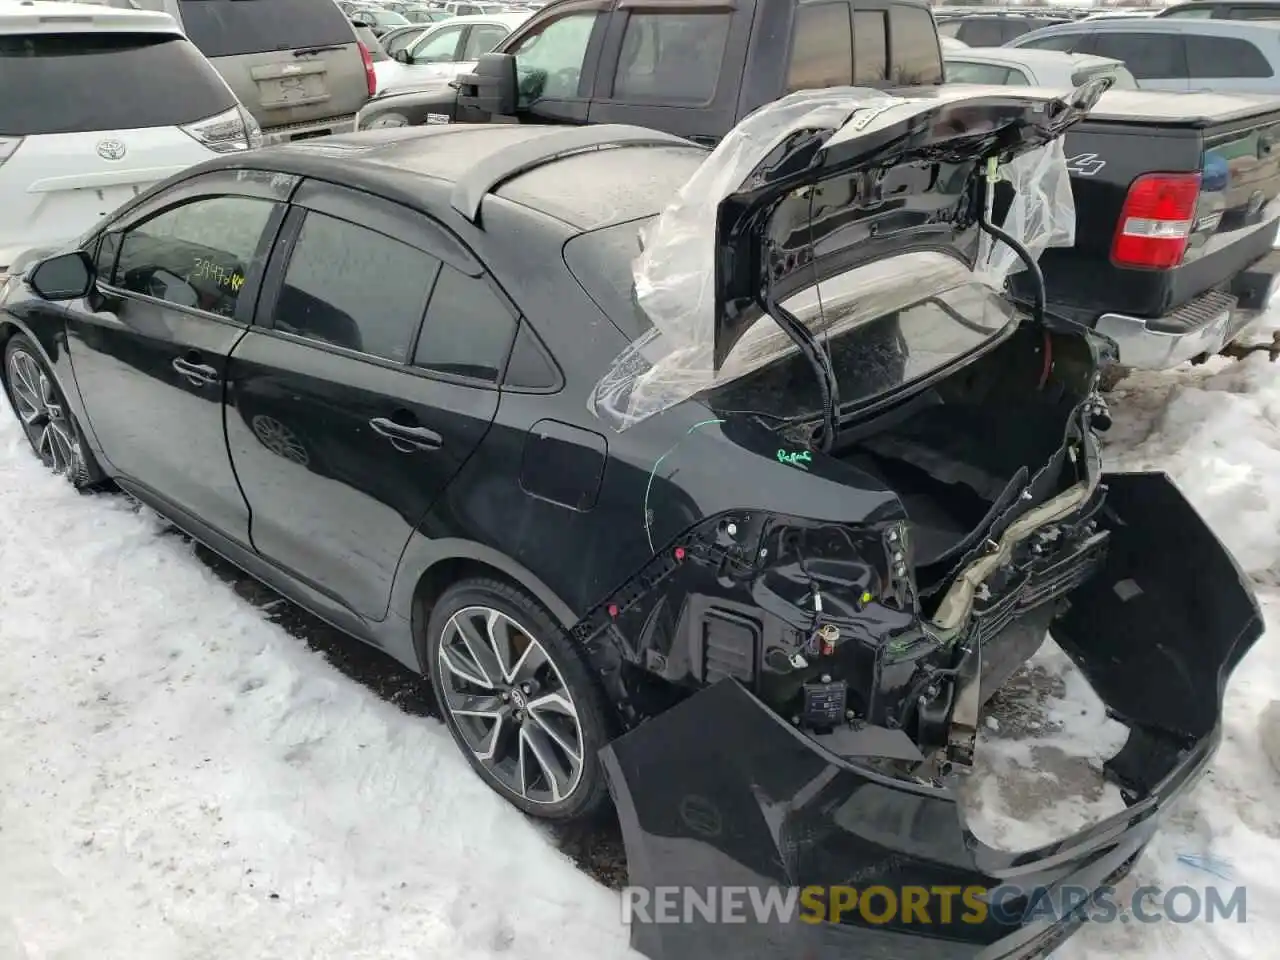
[(539, 732), (39, 403)]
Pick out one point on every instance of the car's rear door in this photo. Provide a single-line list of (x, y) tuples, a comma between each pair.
[(292, 63), (85, 126), (347, 417), (177, 278)]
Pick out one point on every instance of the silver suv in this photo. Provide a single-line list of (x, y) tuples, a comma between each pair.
[(296, 65)]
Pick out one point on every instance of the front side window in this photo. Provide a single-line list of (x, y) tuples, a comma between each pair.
[(468, 330), (402, 41), (550, 59), (821, 47), (1191, 13), (351, 287), (195, 255), (439, 46), (914, 57), (671, 56)]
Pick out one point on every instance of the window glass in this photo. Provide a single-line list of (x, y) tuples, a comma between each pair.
[(75, 82), (483, 38), (948, 28), (821, 48), (468, 330), (966, 71), (1191, 13), (529, 366), (1253, 13), (439, 46), (402, 41), (1058, 41), (870, 47), (549, 60), (223, 28), (195, 255), (1218, 57), (981, 32), (671, 56), (914, 57), (354, 288), (1149, 56)]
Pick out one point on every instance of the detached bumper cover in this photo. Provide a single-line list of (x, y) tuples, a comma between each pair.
[(721, 792)]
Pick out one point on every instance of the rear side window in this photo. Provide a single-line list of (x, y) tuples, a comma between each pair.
[(354, 288), (870, 47), (672, 56), (914, 57), (821, 48), (982, 33), (482, 38), (74, 82), (468, 330), (962, 71), (1066, 42), (1210, 57), (225, 28), (1253, 13), (1149, 56)]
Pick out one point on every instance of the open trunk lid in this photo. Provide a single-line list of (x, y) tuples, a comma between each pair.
[(815, 185), (290, 62)]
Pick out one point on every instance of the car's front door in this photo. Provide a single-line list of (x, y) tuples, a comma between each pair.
[(342, 430), (176, 284)]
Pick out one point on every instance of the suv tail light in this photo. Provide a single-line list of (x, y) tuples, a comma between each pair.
[(229, 132), (8, 146), (1156, 221), (370, 75)]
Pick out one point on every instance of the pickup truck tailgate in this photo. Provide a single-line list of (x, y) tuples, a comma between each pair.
[(1233, 142)]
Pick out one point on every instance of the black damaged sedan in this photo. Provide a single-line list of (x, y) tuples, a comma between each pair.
[(765, 618)]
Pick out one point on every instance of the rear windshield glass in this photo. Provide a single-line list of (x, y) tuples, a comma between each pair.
[(224, 28), (68, 83)]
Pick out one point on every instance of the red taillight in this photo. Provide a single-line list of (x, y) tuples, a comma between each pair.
[(370, 77), (1156, 221)]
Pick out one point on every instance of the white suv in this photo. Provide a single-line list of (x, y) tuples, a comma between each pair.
[(99, 104)]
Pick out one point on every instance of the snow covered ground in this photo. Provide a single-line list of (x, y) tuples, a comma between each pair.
[(181, 778)]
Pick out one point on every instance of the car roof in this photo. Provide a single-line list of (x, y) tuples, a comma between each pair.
[(507, 18), (1155, 25), (1048, 59), (421, 166), (38, 16)]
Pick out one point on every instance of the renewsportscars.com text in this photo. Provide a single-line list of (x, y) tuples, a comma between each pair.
[(930, 906)]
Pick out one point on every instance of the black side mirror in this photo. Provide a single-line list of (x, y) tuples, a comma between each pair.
[(68, 276), (492, 87), (403, 56)]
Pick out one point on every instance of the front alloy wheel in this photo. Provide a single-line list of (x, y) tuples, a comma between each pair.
[(510, 705), (43, 413)]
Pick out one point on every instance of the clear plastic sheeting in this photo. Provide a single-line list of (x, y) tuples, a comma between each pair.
[(1042, 215), (674, 276)]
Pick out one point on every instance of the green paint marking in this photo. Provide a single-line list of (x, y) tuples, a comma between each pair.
[(800, 458)]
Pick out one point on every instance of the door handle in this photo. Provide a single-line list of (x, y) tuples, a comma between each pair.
[(198, 374), (406, 439)]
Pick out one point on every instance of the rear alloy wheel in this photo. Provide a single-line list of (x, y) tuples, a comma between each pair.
[(517, 699), (42, 410)]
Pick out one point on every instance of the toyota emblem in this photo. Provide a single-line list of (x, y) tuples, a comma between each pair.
[(111, 149)]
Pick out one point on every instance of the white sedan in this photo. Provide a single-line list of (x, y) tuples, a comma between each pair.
[(1023, 67), (447, 49)]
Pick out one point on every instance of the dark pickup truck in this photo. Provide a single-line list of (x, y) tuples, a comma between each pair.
[(1175, 194), (693, 68), (1176, 218)]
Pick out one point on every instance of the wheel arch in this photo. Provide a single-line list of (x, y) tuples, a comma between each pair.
[(429, 567)]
